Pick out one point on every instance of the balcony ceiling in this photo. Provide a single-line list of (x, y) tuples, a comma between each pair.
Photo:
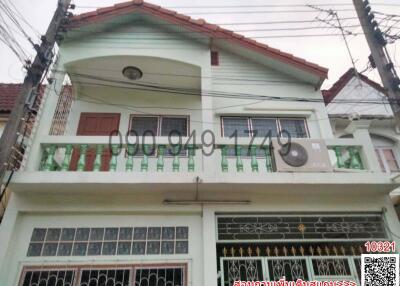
[(157, 72)]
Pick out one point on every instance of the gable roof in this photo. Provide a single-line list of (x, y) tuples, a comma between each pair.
[(198, 25), (330, 94)]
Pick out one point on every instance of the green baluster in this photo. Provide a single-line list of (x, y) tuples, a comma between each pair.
[(114, 156), (129, 160), (268, 160), (67, 158), (339, 158), (239, 162), (82, 157), (48, 165), (354, 159), (191, 152), (175, 162), (160, 160), (97, 160), (144, 166), (253, 154), (224, 158)]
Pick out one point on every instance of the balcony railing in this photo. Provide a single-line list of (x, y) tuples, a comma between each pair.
[(97, 153)]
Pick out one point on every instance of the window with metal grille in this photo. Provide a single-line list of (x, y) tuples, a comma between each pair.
[(263, 126), (95, 275), (159, 125)]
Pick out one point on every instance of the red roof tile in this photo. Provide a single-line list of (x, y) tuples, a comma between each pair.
[(8, 95), (198, 25), (330, 94)]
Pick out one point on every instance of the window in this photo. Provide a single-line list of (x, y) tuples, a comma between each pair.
[(263, 126), (109, 241), (387, 160), (160, 125), (95, 275), (214, 58)]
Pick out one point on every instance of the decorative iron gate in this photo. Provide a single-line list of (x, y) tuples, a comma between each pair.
[(292, 268)]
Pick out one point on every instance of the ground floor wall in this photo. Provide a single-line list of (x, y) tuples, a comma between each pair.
[(178, 237)]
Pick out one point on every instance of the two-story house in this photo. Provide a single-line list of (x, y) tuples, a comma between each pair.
[(187, 154)]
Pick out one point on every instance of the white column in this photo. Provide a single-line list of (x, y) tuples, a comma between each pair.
[(45, 118), (7, 228), (209, 162), (360, 131), (392, 223), (210, 248)]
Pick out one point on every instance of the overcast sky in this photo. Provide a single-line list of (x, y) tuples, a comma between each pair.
[(328, 51)]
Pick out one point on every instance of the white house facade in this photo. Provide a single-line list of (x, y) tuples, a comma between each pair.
[(167, 164)]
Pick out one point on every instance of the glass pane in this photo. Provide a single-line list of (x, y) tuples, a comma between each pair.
[(182, 232), (232, 124), (391, 160), (295, 127), (35, 249), (50, 249), (265, 127), (125, 233), (68, 234), (79, 249), (153, 247), (140, 233), (64, 249), (94, 248), (144, 126), (176, 126), (167, 247), (181, 247), (109, 248), (111, 234), (53, 234), (38, 234), (138, 247), (154, 233), (96, 234), (168, 233), (380, 160), (124, 248), (82, 234)]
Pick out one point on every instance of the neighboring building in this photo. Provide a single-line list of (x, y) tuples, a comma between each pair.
[(355, 100), (8, 95), (207, 214)]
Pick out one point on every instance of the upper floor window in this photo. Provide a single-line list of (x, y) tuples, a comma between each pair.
[(160, 125), (387, 160), (264, 126)]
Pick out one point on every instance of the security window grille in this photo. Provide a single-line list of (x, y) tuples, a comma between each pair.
[(159, 276), (109, 241), (159, 125), (300, 227), (95, 275), (48, 278), (109, 277), (263, 127)]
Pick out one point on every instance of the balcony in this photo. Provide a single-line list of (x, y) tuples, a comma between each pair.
[(170, 169)]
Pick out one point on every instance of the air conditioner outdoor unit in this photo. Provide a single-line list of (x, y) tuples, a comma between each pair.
[(301, 155)]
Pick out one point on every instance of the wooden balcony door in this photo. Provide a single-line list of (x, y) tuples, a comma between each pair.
[(95, 124)]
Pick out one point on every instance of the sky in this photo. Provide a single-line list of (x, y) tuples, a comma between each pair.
[(326, 47)]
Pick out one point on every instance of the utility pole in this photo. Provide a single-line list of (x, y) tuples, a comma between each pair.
[(381, 60), (20, 113)]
